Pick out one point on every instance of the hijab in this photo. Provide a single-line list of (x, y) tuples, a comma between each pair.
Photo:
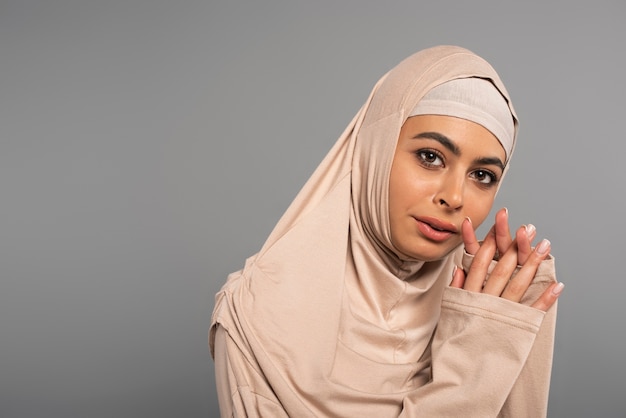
[(327, 307)]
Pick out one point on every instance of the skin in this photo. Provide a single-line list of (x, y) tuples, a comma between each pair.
[(444, 176), (444, 170), (512, 252)]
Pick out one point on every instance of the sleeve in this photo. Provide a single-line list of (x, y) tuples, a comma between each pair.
[(490, 357), (529, 395), (242, 390)]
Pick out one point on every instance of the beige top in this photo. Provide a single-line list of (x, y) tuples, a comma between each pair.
[(328, 321)]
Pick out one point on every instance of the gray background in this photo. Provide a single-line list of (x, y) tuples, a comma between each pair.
[(148, 147)]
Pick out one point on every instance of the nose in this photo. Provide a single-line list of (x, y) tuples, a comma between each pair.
[(451, 192)]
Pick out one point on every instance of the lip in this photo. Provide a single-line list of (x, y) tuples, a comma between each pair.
[(435, 229)]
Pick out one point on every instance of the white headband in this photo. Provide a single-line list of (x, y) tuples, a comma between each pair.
[(473, 99)]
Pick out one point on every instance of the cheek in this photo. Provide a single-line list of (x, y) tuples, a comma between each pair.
[(405, 187)]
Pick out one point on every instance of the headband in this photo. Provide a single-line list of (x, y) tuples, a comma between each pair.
[(473, 99)]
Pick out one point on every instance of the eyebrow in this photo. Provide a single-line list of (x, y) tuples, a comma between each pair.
[(442, 139), (490, 161), (450, 145)]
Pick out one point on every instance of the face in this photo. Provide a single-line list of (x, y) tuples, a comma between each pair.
[(444, 170)]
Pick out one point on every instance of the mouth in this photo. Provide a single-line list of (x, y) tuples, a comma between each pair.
[(435, 229)]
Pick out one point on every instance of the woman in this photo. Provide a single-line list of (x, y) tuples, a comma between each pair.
[(372, 296)]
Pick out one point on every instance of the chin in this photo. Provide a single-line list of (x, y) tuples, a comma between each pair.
[(429, 254)]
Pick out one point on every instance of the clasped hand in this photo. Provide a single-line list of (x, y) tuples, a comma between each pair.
[(509, 253)]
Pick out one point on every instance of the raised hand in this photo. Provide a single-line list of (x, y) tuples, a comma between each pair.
[(523, 236), (509, 253)]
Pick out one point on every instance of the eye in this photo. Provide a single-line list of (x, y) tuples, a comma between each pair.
[(430, 158), (485, 177)]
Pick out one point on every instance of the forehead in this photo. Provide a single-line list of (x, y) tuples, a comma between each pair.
[(467, 136)]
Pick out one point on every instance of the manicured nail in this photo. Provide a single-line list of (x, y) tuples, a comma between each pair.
[(530, 230), (543, 246), (556, 290)]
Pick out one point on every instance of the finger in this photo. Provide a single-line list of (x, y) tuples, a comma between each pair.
[(503, 233), (469, 237), (502, 272), (458, 278), (523, 239), (518, 285), (547, 298), (482, 260)]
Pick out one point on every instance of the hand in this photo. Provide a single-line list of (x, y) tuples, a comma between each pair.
[(523, 237), (511, 254)]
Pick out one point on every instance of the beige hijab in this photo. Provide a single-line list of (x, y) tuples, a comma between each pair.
[(327, 308)]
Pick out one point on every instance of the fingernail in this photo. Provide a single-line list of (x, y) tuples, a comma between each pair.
[(556, 290), (454, 271), (468, 219), (530, 229), (543, 247), (506, 210)]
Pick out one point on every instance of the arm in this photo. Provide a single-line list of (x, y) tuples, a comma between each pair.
[(492, 350), (478, 354), (242, 390), (529, 395)]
